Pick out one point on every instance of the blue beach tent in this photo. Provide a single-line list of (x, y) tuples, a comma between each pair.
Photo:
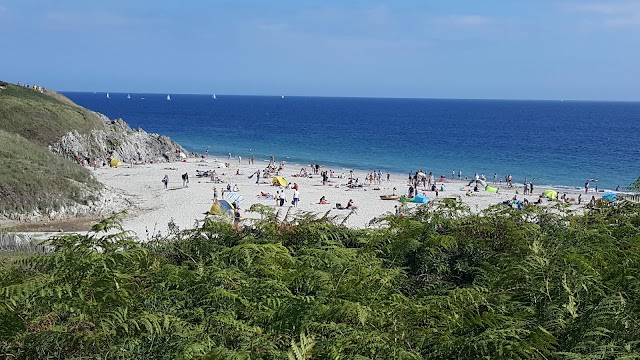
[(421, 199), (611, 197)]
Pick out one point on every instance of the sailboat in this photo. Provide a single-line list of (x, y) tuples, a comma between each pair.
[(168, 98), (214, 97), (128, 96), (283, 96), (108, 96)]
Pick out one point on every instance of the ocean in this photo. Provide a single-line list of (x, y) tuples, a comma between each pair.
[(555, 143)]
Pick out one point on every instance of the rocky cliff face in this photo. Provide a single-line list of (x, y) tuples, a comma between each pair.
[(117, 139)]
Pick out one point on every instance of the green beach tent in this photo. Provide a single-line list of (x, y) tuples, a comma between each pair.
[(491, 189)]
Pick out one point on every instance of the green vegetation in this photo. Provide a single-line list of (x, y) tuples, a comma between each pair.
[(440, 283), (31, 177), (42, 118)]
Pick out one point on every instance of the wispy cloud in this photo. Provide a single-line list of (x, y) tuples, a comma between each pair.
[(617, 14), (72, 20), (465, 20)]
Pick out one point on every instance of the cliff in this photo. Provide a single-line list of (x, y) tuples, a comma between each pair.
[(45, 137)]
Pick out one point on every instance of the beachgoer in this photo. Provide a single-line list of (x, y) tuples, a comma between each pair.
[(351, 205), (323, 200), (593, 201), (282, 198), (618, 188), (453, 174), (579, 198), (296, 197), (185, 180), (236, 216), (586, 186), (531, 187), (215, 194), (495, 177), (459, 174), (165, 181), (235, 188), (398, 213), (239, 159), (258, 177)]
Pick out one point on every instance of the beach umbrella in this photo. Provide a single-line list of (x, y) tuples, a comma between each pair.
[(551, 194), (234, 197), (115, 162)]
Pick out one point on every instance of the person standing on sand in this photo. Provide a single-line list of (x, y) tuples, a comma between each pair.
[(579, 198), (453, 174), (239, 159), (531, 187), (495, 177), (459, 174), (165, 181), (296, 197), (586, 187), (215, 194)]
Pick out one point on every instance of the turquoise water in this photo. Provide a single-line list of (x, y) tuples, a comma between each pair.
[(555, 143)]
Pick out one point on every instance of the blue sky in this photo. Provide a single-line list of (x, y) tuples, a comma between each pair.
[(544, 49)]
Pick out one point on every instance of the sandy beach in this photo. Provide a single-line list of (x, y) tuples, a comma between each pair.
[(154, 207)]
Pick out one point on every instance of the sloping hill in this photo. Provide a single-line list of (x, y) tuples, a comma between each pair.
[(42, 117), (34, 181)]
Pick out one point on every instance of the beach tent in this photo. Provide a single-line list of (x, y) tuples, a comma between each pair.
[(421, 199), (233, 197), (479, 182), (221, 165), (279, 180), (551, 194), (491, 189), (115, 162), (183, 155), (224, 205), (215, 209), (611, 197)]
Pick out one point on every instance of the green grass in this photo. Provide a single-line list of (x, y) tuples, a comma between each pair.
[(42, 118), (32, 178)]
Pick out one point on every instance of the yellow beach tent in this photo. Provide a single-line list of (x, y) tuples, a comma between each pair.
[(491, 189), (115, 162), (279, 180), (551, 194)]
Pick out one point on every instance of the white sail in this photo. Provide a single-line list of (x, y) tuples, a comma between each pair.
[(283, 96), (168, 98), (108, 96), (214, 97), (128, 96)]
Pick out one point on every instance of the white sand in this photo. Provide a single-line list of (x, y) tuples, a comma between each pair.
[(156, 207)]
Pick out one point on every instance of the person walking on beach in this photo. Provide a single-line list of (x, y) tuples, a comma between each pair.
[(453, 174), (495, 177), (459, 174), (165, 181), (215, 194), (282, 198), (586, 187), (258, 177), (239, 159), (531, 187), (185, 180)]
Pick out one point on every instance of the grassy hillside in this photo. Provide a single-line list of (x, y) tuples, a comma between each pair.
[(31, 177), (42, 118)]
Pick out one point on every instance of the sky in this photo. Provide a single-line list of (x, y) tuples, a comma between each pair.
[(543, 49)]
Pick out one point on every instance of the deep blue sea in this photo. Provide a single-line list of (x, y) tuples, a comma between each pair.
[(559, 143)]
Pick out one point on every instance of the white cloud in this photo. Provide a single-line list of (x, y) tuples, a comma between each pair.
[(613, 14), (75, 20)]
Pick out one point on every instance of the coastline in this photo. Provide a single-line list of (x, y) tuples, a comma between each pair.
[(154, 207)]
